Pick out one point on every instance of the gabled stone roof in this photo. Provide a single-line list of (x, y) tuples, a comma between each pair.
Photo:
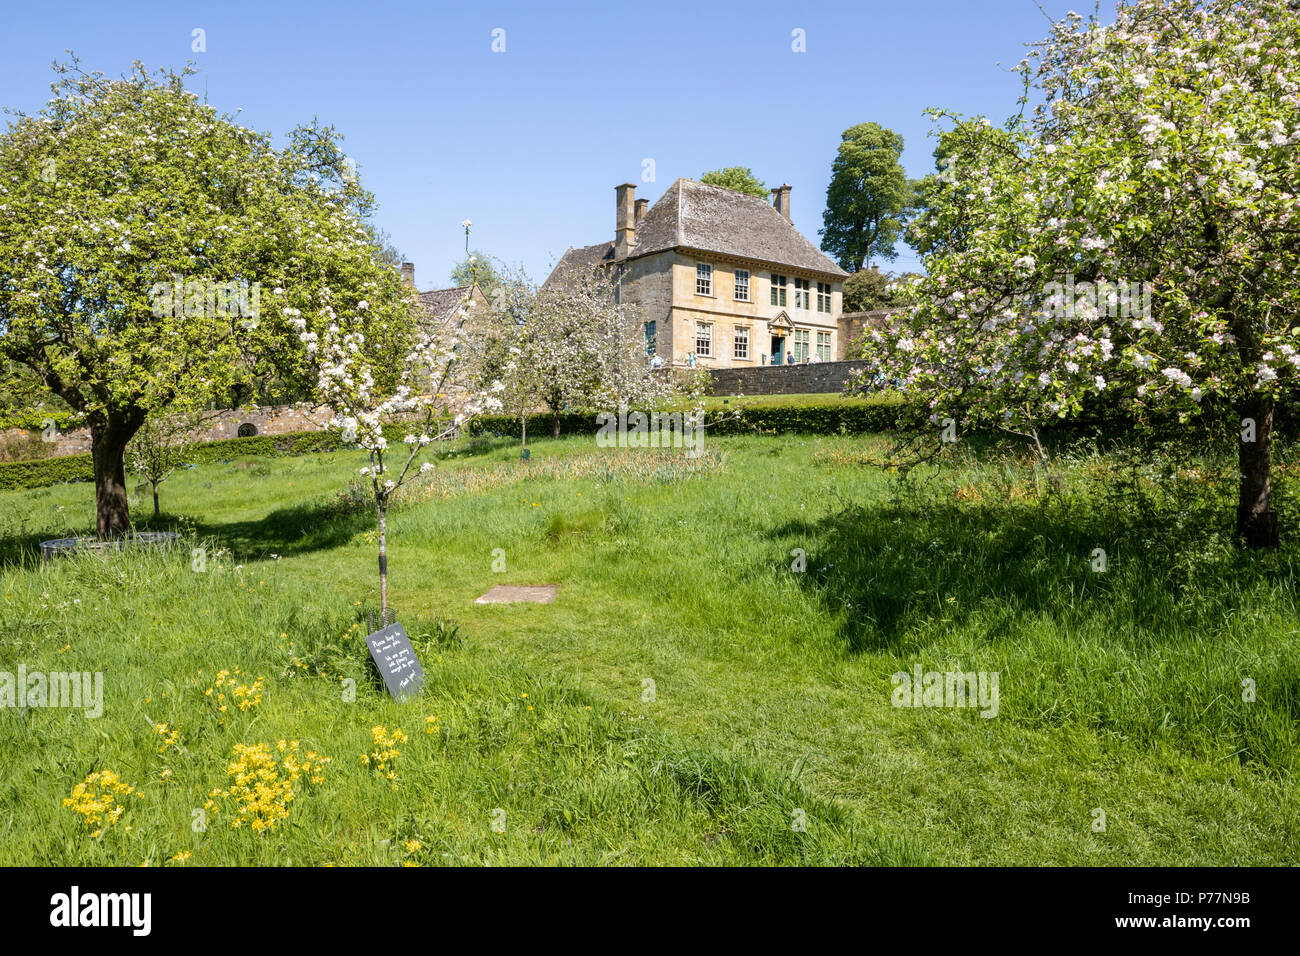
[(695, 215), (442, 303)]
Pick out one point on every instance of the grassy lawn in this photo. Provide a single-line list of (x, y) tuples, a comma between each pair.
[(1120, 691)]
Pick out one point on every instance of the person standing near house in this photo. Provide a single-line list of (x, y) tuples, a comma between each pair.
[(789, 357)]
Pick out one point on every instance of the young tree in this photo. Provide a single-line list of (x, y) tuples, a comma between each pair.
[(444, 400), (1133, 241), (739, 178), (154, 249), (163, 444), (571, 345), (867, 199)]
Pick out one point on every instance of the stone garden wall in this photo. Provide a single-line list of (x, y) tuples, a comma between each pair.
[(258, 420)]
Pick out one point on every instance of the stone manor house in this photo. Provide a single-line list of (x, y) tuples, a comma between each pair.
[(722, 279)]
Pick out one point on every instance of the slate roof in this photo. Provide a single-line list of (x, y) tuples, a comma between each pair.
[(695, 215), (442, 303)]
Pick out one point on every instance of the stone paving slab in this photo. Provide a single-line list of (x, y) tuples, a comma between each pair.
[(515, 593)]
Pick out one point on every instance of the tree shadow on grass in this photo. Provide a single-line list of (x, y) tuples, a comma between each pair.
[(300, 529), (890, 571)]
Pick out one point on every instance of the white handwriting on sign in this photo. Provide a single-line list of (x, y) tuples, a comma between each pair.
[(397, 661)]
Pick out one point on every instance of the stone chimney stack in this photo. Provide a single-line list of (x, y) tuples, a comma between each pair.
[(781, 200), (408, 274), (642, 207), (624, 220)]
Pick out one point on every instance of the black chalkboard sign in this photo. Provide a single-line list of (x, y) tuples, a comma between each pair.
[(396, 660)]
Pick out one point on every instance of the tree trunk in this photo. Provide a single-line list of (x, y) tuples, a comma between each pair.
[(383, 565), (109, 435), (523, 434), (1256, 519), (555, 424), (155, 500)]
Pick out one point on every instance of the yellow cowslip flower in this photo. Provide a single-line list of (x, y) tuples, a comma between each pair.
[(95, 799), (413, 845)]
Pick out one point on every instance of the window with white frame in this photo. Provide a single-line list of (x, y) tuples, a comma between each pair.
[(801, 345), (742, 285), (824, 346), (802, 299), (740, 349), (778, 290), (704, 339), (703, 278), (650, 337), (824, 297)]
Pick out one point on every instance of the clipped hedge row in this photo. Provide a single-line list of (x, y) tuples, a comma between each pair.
[(831, 417)]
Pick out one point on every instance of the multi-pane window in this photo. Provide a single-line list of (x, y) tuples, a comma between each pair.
[(741, 349), (801, 345), (824, 346), (742, 285), (824, 297), (704, 338), (802, 299), (650, 338), (703, 278), (778, 290)]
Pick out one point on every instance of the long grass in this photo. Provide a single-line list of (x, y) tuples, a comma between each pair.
[(689, 697)]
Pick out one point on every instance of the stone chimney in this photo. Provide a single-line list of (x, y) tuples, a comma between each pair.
[(624, 220), (642, 207), (408, 274), (781, 200)]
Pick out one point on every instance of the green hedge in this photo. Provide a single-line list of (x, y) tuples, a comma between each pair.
[(831, 417)]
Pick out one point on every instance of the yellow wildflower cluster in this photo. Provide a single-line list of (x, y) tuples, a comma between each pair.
[(95, 799), (263, 786), (385, 753), (431, 724), (226, 690), (170, 738)]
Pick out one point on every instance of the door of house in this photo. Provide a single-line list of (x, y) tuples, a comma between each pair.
[(778, 349)]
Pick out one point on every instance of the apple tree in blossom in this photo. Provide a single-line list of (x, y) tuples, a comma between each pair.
[(1131, 239), (156, 250)]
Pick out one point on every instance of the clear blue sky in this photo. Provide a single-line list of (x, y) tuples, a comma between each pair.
[(529, 143)]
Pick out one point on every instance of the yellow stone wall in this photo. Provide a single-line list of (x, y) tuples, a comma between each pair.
[(725, 313)]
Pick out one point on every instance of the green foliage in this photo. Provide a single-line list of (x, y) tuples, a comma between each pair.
[(829, 417), (477, 267), (35, 419), (739, 178), (156, 249), (867, 199), (867, 291)]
